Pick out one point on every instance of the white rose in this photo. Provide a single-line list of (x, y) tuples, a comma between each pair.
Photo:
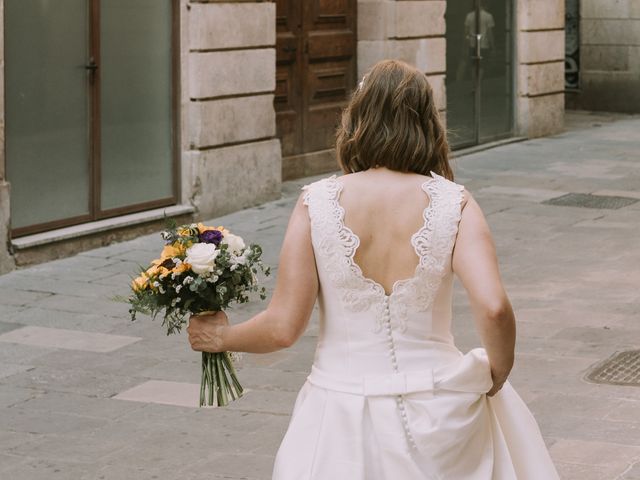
[(235, 243), (202, 257)]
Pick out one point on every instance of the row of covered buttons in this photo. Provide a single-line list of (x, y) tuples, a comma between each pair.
[(394, 362)]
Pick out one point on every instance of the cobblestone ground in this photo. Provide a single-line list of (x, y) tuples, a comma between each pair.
[(69, 356)]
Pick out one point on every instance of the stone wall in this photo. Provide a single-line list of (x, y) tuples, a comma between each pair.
[(609, 57), (540, 53), (231, 158), (6, 259), (412, 31)]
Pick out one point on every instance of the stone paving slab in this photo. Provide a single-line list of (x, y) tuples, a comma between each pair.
[(163, 392), (67, 339), (42, 317), (538, 194)]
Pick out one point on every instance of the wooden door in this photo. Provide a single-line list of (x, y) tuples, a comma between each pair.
[(315, 74), (288, 97)]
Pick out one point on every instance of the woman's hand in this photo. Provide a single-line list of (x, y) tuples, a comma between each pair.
[(498, 382), (205, 332)]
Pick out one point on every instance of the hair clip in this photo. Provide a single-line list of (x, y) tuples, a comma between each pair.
[(362, 82)]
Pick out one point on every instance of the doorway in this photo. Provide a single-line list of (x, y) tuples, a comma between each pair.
[(315, 75), (480, 72), (90, 106)]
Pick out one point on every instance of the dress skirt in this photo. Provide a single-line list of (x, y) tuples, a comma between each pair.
[(435, 423)]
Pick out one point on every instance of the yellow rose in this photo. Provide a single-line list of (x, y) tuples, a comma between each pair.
[(181, 248), (169, 251), (203, 228), (153, 271), (139, 283)]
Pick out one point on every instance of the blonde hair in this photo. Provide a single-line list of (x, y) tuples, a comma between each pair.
[(392, 121)]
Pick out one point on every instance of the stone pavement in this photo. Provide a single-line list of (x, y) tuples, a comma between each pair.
[(76, 375)]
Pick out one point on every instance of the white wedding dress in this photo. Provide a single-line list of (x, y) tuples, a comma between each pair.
[(389, 396)]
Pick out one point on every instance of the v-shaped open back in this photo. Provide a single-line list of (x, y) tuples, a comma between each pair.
[(335, 245), (355, 240)]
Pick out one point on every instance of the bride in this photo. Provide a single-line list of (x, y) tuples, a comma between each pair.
[(389, 395)]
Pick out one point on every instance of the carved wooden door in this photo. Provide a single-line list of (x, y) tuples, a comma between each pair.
[(316, 71)]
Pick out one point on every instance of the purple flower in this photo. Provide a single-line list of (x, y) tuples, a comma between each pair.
[(168, 263), (211, 236)]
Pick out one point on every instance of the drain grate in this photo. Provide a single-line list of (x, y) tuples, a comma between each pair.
[(587, 200), (622, 368)]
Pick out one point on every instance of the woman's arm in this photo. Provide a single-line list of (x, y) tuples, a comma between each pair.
[(476, 265), (286, 317)]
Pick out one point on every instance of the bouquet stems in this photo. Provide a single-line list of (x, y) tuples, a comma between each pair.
[(219, 384)]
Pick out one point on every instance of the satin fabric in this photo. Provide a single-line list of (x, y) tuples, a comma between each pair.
[(348, 427)]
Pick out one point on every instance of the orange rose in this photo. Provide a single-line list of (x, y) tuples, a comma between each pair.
[(183, 267), (163, 272)]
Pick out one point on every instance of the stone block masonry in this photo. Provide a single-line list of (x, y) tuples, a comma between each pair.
[(7, 261), (231, 158), (412, 31), (610, 57), (540, 64), (233, 177)]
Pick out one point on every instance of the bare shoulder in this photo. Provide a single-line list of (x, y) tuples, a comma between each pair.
[(466, 197), (469, 203)]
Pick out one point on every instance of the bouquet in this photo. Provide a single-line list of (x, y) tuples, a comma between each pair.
[(201, 269)]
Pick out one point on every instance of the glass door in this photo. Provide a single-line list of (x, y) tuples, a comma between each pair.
[(47, 110), (90, 109), (479, 77), (136, 103)]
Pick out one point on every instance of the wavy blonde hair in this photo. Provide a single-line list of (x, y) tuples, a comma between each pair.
[(392, 121)]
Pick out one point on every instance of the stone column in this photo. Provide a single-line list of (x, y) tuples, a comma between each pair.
[(610, 57), (412, 31), (6, 259), (540, 100), (231, 158)]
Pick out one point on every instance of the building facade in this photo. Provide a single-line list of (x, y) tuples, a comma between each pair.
[(117, 113), (603, 55)]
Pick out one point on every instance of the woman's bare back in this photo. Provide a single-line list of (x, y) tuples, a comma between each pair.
[(384, 208)]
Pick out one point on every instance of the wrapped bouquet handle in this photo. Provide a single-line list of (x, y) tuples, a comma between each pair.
[(219, 383), (201, 270)]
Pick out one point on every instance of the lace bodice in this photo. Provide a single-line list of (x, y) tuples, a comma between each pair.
[(354, 309)]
